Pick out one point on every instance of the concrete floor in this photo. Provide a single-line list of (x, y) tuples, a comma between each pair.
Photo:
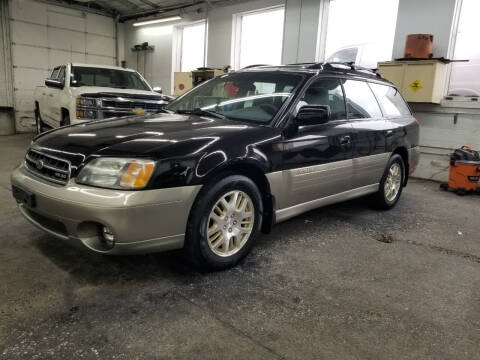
[(324, 285)]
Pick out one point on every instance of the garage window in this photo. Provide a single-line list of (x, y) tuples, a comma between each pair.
[(353, 33), (258, 38), (193, 46), (465, 77)]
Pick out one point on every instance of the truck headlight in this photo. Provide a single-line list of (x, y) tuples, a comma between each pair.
[(86, 114), (84, 108), (117, 173), (85, 101)]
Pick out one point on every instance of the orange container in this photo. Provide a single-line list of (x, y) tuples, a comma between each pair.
[(419, 46), (464, 170)]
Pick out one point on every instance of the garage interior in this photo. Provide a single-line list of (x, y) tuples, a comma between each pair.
[(340, 282)]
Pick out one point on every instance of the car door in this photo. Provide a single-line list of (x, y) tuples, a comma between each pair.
[(369, 133), (44, 103), (53, 98), (316, 158)]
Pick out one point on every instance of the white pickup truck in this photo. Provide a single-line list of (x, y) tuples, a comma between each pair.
[(77, 93)]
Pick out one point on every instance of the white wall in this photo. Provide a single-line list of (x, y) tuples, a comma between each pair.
[(162, 36), (440, 133), (424, 17), (158, 69), (302, 21), (220, 29)]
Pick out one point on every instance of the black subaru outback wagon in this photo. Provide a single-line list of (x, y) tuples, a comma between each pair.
[(222, 163)]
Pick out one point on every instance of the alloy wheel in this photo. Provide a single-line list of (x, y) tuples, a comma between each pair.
[(230, 223), (393, 182)]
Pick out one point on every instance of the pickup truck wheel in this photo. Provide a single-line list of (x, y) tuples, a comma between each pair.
[(224, 223), (391, 185), (39, 125)]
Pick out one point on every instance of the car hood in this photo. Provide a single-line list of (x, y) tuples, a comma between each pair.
[(157, 136), (98, 89)]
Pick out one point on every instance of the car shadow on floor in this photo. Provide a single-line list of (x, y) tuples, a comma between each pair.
[(95, 269)]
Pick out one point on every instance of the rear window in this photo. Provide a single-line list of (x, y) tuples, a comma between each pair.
[(392, 102), (361, 103)]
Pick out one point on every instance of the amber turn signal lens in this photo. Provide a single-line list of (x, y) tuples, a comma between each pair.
[(137, 175)]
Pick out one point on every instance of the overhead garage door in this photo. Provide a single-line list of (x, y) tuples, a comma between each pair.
[(5, 60), (44, 36)]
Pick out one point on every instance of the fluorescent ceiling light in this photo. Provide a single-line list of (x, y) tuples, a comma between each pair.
[(148, 22)]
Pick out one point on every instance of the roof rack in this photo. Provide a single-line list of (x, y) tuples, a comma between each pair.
[(349, 65), (254, 65)]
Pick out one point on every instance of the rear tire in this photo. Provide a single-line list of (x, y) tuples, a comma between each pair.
[(224, 223), (391, 185)]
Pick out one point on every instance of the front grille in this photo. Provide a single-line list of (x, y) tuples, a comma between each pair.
[(113, 114), (48, 167), (149, 106)]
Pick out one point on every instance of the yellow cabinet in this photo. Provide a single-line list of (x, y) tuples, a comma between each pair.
[(182, 82), (418, 81)]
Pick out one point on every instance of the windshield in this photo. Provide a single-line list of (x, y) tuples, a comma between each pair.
[(251, 96), (112, 78)]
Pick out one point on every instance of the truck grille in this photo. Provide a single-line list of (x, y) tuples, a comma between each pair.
[(48, 167), (130, 105)]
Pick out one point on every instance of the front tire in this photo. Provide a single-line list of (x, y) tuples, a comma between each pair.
[(391, 185), (65, 120), (224, 223), (39, 125)]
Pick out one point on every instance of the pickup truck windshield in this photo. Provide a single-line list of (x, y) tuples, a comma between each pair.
[(112, 78), (245, 96)]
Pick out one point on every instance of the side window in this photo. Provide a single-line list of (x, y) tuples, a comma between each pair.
[(61, 74), (361, 103), (327, 92), (391, 100), (54, 74)]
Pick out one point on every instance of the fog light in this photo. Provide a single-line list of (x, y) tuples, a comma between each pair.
[(108, 237)]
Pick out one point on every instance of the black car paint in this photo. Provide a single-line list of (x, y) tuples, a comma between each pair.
[(190, 149)]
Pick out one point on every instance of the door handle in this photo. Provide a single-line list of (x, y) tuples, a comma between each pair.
[(388, 133), (345, 140)]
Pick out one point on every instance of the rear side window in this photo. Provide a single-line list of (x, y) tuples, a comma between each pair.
[(361, 103), (391, 100)]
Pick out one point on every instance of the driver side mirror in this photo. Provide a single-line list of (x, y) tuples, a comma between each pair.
[(313, 115), (54, 83), (158, 89)]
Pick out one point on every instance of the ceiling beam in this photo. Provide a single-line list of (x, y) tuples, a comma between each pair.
[(160, 10), (99, 10)]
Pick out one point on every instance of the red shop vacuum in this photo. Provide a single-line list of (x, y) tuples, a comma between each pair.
[(464, 171)]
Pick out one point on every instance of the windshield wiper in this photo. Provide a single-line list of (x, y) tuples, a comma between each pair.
[(201, 112)]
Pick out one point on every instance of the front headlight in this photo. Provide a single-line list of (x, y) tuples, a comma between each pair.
[(84, 108), (117, 173), (84, 101)]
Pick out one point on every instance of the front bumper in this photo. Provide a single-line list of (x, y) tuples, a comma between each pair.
[(141, 221)]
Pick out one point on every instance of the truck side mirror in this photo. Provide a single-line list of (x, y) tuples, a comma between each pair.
[(313, 115), (158, 89), (54, 83)]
